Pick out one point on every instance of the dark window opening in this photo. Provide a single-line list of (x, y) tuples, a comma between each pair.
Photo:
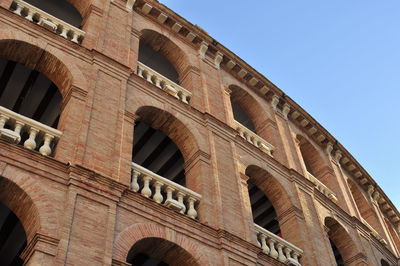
[(156, 61), (29, 93), (241, 116), (155, 151), (263, 212), (60, 9), (12, 238), (338, 257)]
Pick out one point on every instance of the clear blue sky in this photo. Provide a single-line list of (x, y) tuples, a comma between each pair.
[(340, 60)]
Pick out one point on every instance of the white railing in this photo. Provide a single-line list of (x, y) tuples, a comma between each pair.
[(321, 187), (277, 247), (163, 83), (164, 191), (38, 133), (254, 139), (47, 21)]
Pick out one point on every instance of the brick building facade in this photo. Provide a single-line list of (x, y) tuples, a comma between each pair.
[(130, 136)]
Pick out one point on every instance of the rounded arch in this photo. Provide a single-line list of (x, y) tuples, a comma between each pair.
[(59, 68), (172, 127), (247, 111), (126, 239), (363, 206), (161, 54), (341, 240), (22, 205), (66, 10), (160, 251), (272, 189), (313, 161)]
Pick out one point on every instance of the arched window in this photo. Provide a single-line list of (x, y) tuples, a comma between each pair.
[(159, 252), (29, 93), (156, 152), (311, 158), (61, 9), (343, 247), (263, 212), (244, 108), (12, 238)]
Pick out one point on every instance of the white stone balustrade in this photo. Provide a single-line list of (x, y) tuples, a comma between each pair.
[(254, 139), (164, 191), (39, 134), (277, 247), (321, 187), (163, 83), (47, 21)]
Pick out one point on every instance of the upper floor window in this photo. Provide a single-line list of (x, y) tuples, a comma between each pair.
[(61, 9)]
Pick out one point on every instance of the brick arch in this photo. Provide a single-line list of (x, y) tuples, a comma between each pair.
[(364, 206), (183, 135), (272, 188), (313, 160), (18, 197), (126, 239), (56, 66), (342, 239), (169, 49)]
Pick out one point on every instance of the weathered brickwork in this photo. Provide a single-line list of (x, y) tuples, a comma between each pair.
[(78, 208)]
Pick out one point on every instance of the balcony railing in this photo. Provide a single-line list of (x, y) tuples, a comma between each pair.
[(47, 21), (254, 139), (321, 187), (40, 136), (163, 83), (277, 247), (164, 191)]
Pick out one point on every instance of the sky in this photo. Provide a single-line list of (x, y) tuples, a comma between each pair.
[(338, 59)]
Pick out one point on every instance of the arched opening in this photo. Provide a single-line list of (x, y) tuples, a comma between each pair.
[(19, 222), (60, 9), (162, 55), (366, 211), (384, 263), (262, 209), (28, 92), (159, 252), (155, 151), (313, 162), (12, 238), (245, 110), (342, 245), (268, 199)]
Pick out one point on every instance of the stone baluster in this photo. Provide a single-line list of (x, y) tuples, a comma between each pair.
[(146, 191), (17, 130), (75, 37), (273, 253), (30, 143), (281, 256), (64, 32), (134, 182), (287, 252), (140, 72), (169, 190), (180, 196), (157, 194), (157, 82), (3, 120), (264, 245), (148, 77), (296, 256), (192, 213), (18, 10), (45, 149), (30, 15)]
